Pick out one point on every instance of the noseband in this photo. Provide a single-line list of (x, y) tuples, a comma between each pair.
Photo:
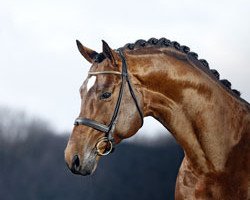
[(108, 139)]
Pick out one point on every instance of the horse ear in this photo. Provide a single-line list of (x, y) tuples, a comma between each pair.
[(109, 53), (87, 53)]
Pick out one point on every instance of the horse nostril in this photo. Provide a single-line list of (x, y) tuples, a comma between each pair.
[(82, 169), (75, 162)]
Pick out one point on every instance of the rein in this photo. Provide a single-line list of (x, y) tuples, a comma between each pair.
[(109, 129)]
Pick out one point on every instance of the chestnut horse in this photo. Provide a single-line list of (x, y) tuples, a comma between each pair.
[(162, 79)]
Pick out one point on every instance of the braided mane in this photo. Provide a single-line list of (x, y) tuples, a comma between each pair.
[(163, 42)]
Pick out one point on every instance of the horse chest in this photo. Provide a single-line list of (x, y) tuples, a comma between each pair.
[(190, 186)]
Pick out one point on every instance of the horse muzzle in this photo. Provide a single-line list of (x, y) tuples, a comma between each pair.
[(82, 167)]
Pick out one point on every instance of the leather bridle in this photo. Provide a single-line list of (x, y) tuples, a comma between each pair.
[(109, 129)]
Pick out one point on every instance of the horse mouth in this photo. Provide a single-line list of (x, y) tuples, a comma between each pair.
[(84, 170), (89, 168), (84, 165)]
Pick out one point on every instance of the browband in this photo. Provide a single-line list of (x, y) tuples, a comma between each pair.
[(104, 72)]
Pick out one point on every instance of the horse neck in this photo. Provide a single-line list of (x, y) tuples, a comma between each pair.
[(205, 119)]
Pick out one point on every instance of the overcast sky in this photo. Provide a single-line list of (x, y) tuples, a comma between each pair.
[(41, 69)]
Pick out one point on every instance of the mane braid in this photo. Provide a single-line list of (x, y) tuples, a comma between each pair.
[(163, 42)]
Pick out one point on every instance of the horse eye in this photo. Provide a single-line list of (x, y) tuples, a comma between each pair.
[(105, 95)]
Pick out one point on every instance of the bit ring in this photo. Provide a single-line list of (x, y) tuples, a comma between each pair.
[(106, 152)]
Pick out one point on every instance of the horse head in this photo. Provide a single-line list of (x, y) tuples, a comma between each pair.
[(111, 109)]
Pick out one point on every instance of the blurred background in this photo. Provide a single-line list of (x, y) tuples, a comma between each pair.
[(32, 166), (41, 71)]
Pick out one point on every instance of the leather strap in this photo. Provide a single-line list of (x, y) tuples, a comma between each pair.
[(104, 72), (125, 72), (91, 123)]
